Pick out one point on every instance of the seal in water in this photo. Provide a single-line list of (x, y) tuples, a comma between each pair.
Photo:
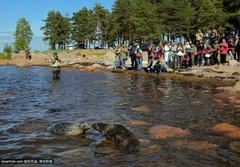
[(69, 129), (120, 135)]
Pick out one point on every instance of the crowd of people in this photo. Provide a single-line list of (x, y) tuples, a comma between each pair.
[(208, 48)]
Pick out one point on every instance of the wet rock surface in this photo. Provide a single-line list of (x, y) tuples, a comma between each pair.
[(195, 145), (224, 128), (165, 131), (135, 122), (228, 130), (235, 146), (141, 109)]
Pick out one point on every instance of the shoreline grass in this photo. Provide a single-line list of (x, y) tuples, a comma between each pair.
[(5, 57)]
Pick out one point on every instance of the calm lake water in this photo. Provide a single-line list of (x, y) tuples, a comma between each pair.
[(26, 94)]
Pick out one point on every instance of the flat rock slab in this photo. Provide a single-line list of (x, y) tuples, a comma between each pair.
[(224, 128), (235, 146), (195, 145), (137, 122), (141, 109), (234, 134), (165, 131), (228, 130)]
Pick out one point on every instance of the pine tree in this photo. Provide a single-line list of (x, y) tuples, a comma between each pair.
[(102, 16), (83, 27), (23, 35), (56, 30)]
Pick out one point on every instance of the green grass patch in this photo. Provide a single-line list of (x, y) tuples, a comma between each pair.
[(5, 57), (97, 52)]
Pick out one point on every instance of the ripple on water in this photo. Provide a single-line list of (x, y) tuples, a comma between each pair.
[(27, 93)]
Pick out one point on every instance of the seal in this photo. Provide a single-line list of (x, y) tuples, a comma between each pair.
[(120, 135), (69, 129)]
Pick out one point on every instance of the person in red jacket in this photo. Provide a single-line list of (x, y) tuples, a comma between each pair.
[(223, 51)]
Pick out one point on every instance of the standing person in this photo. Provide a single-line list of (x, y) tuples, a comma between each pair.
[(55, 64), (193, 52), (139, 58), (124, 55), (213, 35), (150, 53), (180, 54), (199, 36), (199, 57), (133, 57), (159, 50), (231, 50), (216, 52), (237, 48), (28, 54), (166, 54), (223, 51), (118, 61), (187, 56)]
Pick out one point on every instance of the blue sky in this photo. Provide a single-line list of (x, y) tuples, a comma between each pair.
[(36, 10)]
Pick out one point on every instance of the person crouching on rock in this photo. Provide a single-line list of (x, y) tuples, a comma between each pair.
[(139, 58), (55, 64)]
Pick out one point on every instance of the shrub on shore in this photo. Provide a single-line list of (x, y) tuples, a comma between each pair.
[(7, 53)]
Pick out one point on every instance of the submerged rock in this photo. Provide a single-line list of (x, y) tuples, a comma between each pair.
[(54, 110), (153, 149), (228, 130), (137, 122), (78, 66), (235, 146), (195, 145), (78, 154), (141, 109), (224, 128), (234, 134), (89, 69), (165, 131)]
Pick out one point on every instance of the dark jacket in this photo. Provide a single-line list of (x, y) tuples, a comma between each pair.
[(237, 46)]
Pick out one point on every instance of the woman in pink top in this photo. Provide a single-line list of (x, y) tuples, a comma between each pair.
[(223, 51)]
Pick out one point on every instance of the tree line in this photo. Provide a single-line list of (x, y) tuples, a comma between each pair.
[(139, 20)]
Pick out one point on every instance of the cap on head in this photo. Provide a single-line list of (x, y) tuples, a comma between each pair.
[(138, 47)]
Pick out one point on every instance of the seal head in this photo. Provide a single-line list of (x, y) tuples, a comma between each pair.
[(120, 135)]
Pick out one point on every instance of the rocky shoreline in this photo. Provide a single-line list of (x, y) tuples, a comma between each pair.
[(226, 78)]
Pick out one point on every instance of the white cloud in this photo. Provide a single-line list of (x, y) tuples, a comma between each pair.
[(6, 34)]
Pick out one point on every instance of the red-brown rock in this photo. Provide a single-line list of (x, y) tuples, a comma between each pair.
[(165, 131), (224, 128), (195, 145), (135, 122)]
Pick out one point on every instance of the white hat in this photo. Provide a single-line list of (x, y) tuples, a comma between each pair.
[(138, 47)]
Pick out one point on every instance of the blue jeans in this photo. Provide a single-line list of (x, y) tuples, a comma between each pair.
[(118, 61), (139, 61), (149, 60)]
